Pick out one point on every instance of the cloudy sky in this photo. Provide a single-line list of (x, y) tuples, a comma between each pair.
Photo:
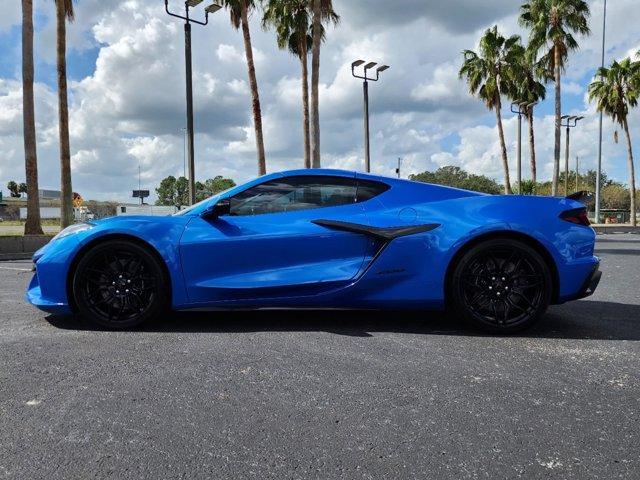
[(126, 73)]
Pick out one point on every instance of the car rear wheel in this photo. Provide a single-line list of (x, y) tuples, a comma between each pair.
[(501, 286), (119, 284)]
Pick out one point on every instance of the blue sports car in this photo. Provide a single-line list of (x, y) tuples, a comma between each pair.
[(327, 239)]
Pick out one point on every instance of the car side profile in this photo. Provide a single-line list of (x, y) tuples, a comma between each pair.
[(327, 239)]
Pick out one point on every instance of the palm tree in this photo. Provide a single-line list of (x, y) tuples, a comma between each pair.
[(291, 20), (488, 74), (320, 9), (552, 24), (239, 13), (32, 225), (528, 89), (64, 12), (616, 90)]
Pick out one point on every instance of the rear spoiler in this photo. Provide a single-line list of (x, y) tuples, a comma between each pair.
[(588, 199)]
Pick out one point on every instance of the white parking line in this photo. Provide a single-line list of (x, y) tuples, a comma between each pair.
[(16, 269)]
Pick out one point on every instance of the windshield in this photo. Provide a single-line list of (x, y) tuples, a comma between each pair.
[(201, 203)]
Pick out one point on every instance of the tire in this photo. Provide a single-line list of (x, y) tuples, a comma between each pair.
[(501, 286), (119, 284)]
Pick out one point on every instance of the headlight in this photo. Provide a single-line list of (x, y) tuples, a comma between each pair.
[(71, 229)]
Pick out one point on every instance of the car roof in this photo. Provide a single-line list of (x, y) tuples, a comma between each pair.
[(293, 173), (330, 172)]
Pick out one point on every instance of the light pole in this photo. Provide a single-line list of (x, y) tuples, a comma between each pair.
[(521, 109), (569, 122), (365, 87), (577, 174), (214, 7), (399, 166), (599, 173)]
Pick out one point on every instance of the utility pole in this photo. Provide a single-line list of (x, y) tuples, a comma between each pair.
[(399, 165), (599, 173), (189, 80), (365, 88), (577, 174)]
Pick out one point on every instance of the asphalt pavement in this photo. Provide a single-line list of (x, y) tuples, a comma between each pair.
[(325, 394)]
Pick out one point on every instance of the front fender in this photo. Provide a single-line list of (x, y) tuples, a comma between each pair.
[(55, 260)]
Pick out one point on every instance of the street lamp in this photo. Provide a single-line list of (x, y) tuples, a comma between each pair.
[(599, 174), (520, 109), (568, 121), (214, 7), (365, 86)]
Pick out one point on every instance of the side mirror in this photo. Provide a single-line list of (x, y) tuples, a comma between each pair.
[(220, 209)]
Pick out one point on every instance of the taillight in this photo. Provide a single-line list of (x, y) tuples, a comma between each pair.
[(577, 216)]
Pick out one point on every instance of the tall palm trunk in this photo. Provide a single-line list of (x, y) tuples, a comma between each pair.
[(253, 84), (503, 147), (315, 80), (302, 48), (532, 148), (66, 201), (32, 226), (632, 173), (558, 132)]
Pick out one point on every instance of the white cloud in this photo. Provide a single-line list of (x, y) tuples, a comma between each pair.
[(573, 88)]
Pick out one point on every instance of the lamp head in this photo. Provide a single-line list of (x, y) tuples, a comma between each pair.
[(213, 8)]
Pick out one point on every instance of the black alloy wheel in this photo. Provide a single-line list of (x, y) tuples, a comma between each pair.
[(501, 286), (119, 284)]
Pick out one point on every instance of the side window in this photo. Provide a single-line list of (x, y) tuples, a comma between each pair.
[(293, 194), (368, 189)]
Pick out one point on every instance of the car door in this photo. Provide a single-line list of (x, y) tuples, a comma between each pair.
[(269, 247)]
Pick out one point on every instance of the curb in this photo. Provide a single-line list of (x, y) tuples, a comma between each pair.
[(8, 257), (21, 247), (613, 228)]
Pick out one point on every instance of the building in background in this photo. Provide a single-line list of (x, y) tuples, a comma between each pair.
[(154, 210)]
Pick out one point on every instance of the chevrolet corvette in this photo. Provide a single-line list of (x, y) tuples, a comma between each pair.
[(327, 239)]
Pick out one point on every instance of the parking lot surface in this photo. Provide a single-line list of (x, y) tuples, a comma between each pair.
[(325, 394)]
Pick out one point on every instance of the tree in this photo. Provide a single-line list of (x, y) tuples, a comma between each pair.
[(213, 186), (173, 191), (64, 12), (488, 74), (22, 188), (290, 18), (453, 176), (239, 14), (14, 189), (528, 89), (320, 14), (552, 24), (616, 90), (33, 224)]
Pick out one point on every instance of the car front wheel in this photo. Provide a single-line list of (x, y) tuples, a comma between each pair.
[(501, 286), (119, 284)]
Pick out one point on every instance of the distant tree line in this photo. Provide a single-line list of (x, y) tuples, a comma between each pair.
[(456, 177), (615, 195)]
